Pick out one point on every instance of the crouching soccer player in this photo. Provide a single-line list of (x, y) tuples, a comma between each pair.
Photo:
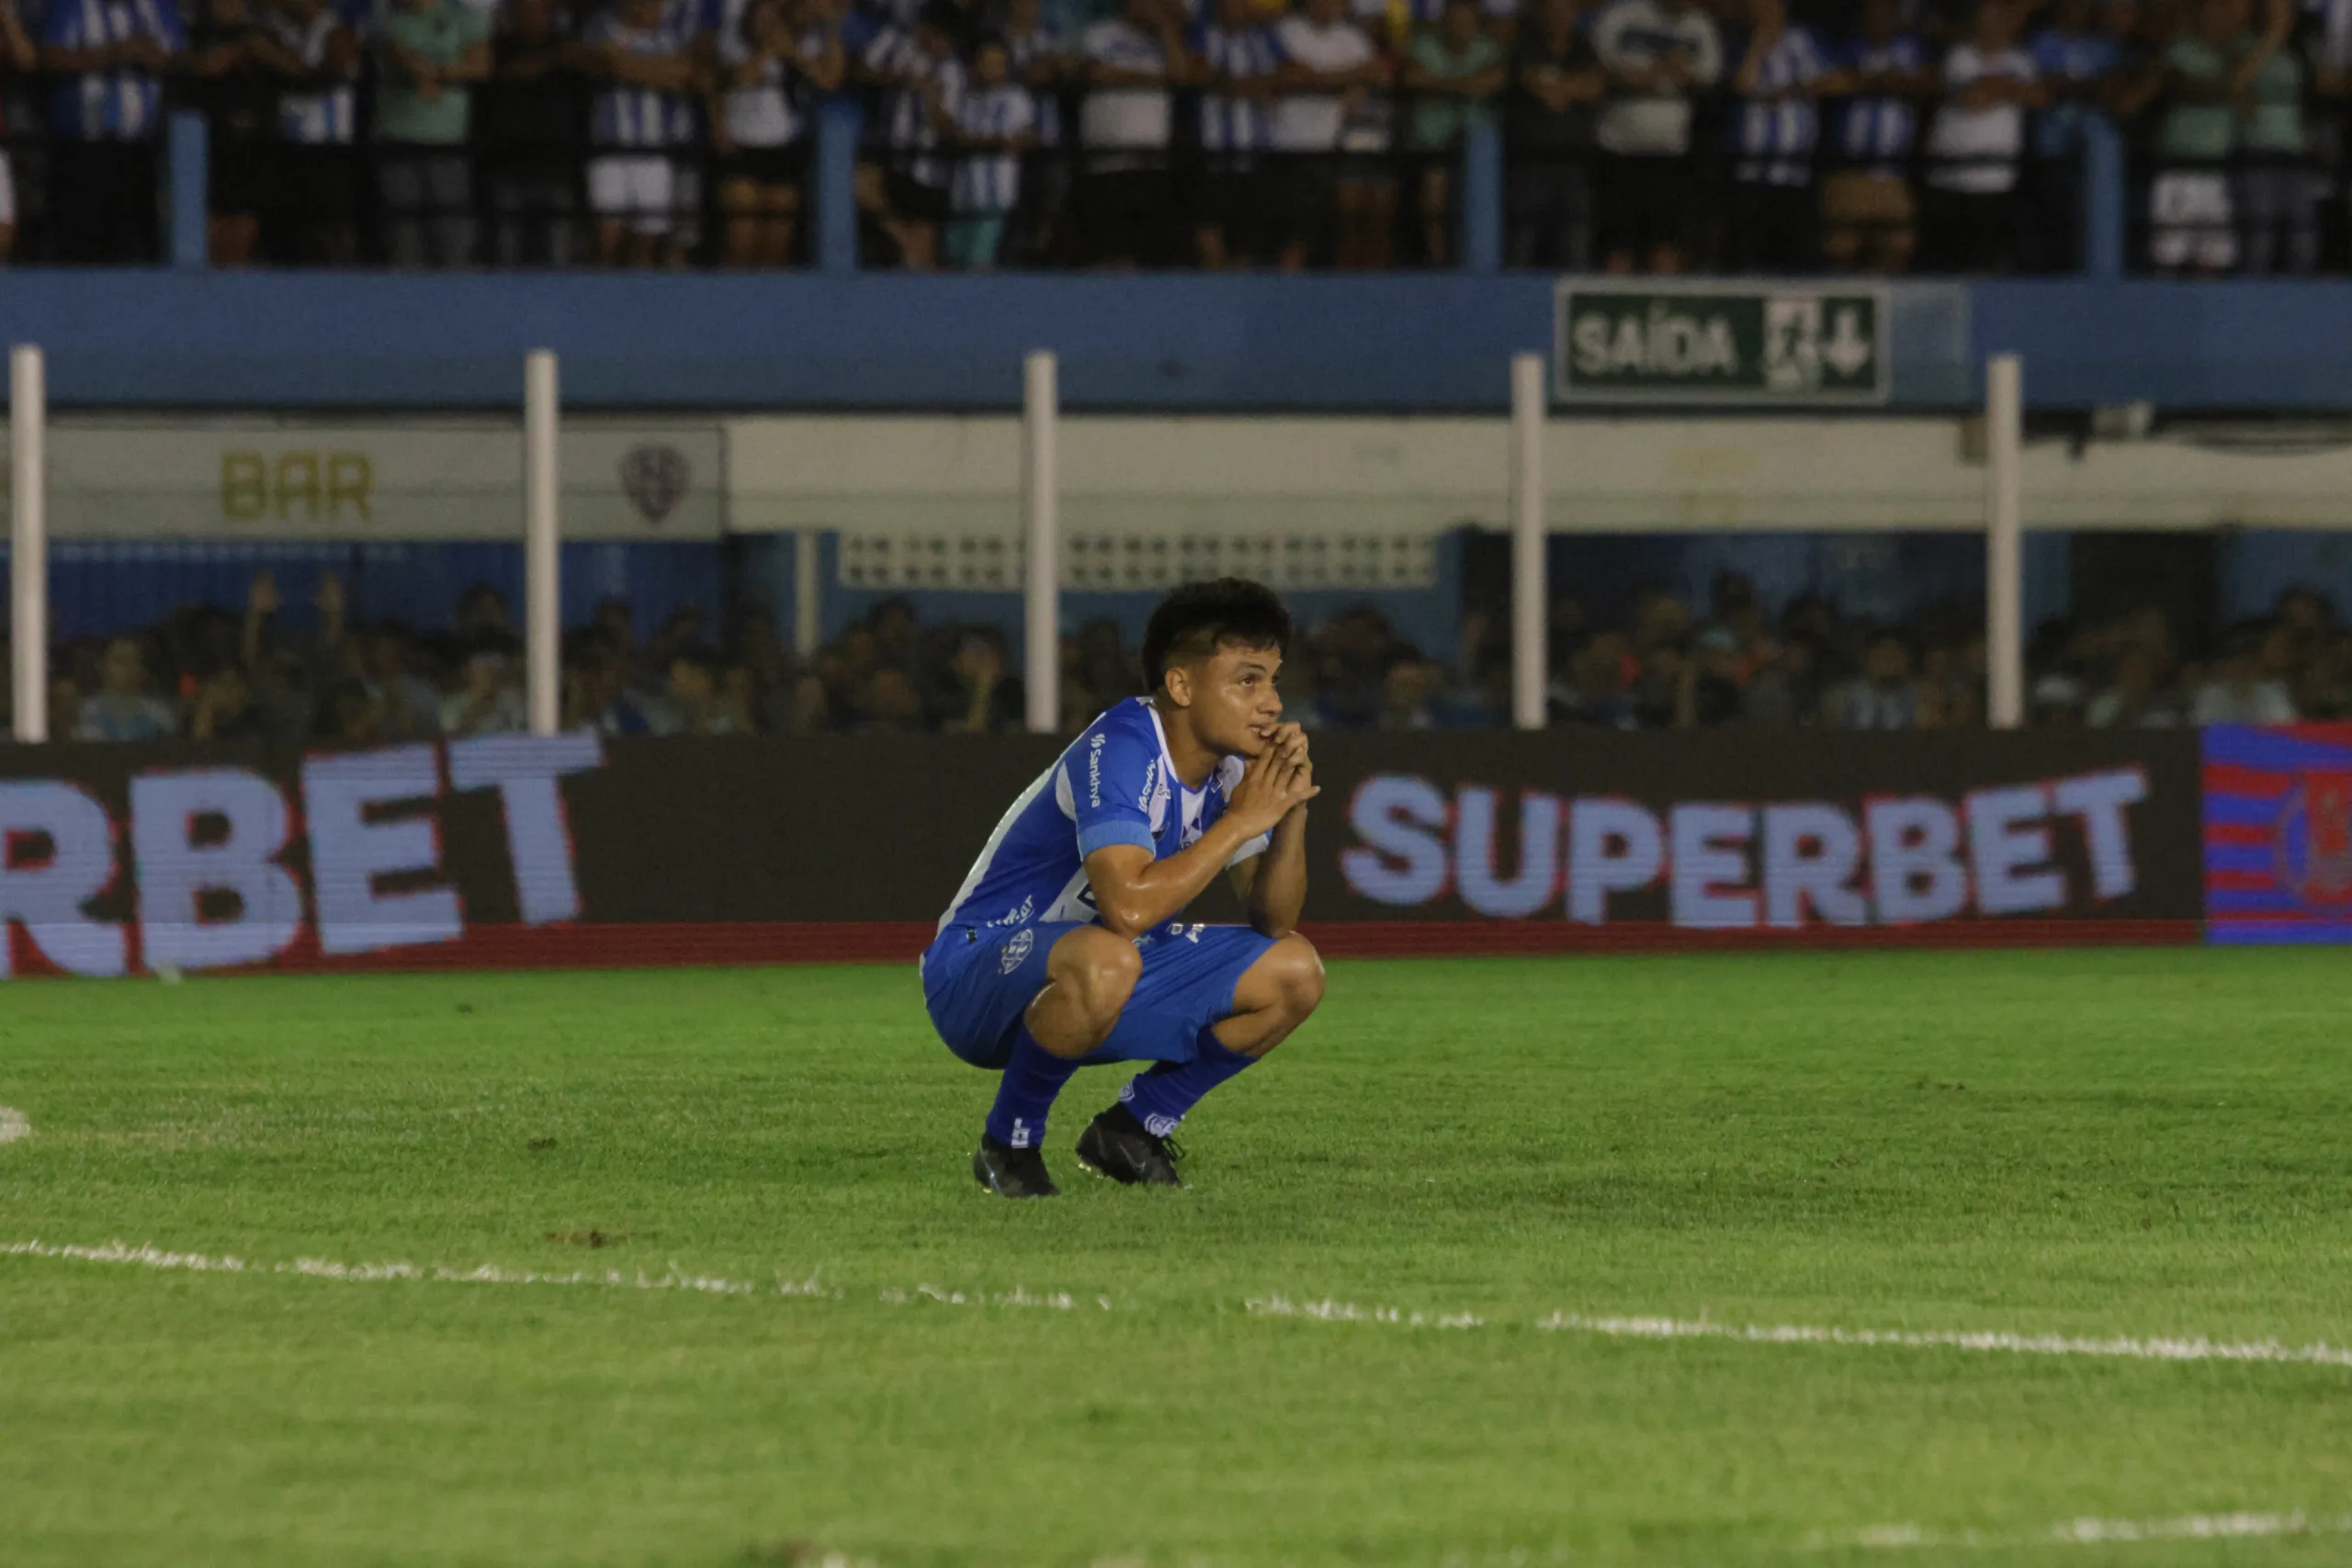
[(1064, 949)]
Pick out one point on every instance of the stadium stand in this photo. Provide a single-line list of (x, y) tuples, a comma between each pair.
[(1639, 135)]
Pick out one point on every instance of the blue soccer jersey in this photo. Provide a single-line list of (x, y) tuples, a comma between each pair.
[(1115, 784)]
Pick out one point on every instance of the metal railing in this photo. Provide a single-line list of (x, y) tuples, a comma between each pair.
[(1044, 576), (513, 199)]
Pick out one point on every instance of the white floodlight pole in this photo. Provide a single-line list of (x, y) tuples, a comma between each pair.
[(542, 544), (1529, 579), (29, 539), (2004, 541), (1041, 526), (808, 595)]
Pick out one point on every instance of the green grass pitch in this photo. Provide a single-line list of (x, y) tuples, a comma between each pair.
[(2093, 1145)]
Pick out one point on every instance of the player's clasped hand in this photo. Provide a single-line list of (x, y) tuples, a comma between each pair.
[(1277, 780), (1290, 753)]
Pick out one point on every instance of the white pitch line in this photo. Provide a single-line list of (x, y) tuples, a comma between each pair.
[(13, 1124), (677, 1278), (1996, 1342), (2089, 1531), (1980, 1340), (1349, 1312)]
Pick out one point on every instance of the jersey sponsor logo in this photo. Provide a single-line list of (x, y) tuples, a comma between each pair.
[(1016, 951), (1094, 770)]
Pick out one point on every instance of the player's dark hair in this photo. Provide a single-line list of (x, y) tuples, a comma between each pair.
[(1200, 618)]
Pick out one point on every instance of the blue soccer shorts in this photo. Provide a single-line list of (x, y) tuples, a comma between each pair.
[(979, 980)]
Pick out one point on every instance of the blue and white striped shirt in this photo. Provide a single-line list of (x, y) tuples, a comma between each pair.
[(320, 116), (1137, 116), (1878, 132), (1115, 784), (1777, 135), (990, 183), (768, 113), (625, 115), (905, 127), (111, 106), (1235, 124)]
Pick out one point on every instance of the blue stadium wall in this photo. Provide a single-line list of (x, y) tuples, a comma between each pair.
[(194, 338), (166, 338)]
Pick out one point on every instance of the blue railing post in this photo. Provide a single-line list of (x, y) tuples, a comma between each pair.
[(840, 120), (1482, 198), (190, 153), (2103, 195)]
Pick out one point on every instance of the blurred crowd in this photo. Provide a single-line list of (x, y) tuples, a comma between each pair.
[(1666, 668), (2133, 670), (1660, 664), (1639, 135), (207, 674)]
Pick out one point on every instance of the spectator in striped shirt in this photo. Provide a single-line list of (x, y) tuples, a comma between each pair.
[(991, 123), (1042, 51), (919, 66), (767, 51), (315, 61), (643, 53), (16, 54), (431, 55), (106, 114), (123, 709), (1774, 131), (1455, 71), (1239, 207), (1332, 73), (1869, 215), (1885, 695), (1659, 54), (1976, 142), (1126, 198)]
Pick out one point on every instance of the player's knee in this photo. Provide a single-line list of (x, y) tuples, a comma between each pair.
[(1297, 975), (1103, 974)]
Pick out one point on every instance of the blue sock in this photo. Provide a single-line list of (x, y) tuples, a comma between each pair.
[(1159, 1097), (1032, 1078)]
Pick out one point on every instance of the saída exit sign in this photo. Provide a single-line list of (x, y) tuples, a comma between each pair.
[(1653, 342)]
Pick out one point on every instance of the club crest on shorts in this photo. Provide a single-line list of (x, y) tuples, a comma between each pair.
[(655, 479), (1016, 951)]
